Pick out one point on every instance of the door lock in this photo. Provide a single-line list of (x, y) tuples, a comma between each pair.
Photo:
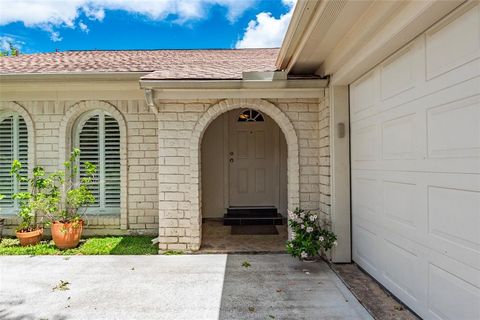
[(231, 160)]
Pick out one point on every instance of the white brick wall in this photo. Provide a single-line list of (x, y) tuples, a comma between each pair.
[(181, 126), (161, 186), (52, 123)]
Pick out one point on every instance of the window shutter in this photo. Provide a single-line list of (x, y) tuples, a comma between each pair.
[(22, 151), (6, 159), (13, 145), (89, 144), (112, 163), (99, 142)]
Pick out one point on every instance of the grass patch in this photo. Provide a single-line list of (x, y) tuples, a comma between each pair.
[(127, 245)]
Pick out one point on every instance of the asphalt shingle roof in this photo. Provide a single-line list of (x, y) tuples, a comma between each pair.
[(161, 64)]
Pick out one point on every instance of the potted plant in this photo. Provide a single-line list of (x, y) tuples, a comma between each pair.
[(2, 221), (42, 198), (308, 238), (67, 226)]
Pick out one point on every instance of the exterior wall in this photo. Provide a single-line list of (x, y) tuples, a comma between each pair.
[(52, 133), (161, 177), (181, 127), (324, 156)]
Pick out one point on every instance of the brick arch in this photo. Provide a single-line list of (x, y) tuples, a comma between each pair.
[(268, 108), (16, 107), (65, 143)]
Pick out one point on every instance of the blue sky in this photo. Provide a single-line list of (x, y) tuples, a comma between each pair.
[(47, 25)]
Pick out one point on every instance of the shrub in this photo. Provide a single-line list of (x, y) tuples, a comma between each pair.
[(44, 198), (308, 238)]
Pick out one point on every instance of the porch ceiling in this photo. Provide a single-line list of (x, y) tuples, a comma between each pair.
[(347, 38)]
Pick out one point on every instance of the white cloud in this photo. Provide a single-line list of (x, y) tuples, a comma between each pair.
[(55, 36), (83, 27), (266, 31), (50, 15)]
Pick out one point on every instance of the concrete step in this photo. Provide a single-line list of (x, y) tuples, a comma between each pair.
[(252, 216)]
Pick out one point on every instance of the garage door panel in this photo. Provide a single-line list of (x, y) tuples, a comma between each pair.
[(398, 73), (453, 209), (454, 129), (367, 244), (399, 204), (415, 168), (402, 270), (450, 296), (454, 215), (367, 197), (366, 145), (365, 94), (449, 46), (398, 140)]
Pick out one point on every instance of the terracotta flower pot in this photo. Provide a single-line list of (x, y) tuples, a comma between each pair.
[(67, 235), (2, 222), (30, 237)]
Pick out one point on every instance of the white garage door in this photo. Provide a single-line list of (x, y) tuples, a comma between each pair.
[(415, 157)]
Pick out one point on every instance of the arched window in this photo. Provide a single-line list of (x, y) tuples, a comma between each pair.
[(250, 115), (98, 138), (13, 146)]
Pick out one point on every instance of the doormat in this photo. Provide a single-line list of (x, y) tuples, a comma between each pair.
[(254, 230)]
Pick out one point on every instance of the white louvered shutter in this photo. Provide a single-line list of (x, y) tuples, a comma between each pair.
[(99, 142), (13, 145), (112, 163), (89, 144)]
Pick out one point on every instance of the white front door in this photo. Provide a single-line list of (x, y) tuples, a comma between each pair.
[(253, 159)]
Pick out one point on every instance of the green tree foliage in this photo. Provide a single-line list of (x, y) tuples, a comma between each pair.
[(12, 51)]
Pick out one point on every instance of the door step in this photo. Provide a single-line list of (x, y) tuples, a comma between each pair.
[(252, 216)]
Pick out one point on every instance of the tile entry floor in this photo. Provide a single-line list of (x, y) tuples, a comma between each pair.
[(217, 238)]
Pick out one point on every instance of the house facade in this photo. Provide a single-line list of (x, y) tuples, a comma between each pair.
[(147, 145), (369, 113)]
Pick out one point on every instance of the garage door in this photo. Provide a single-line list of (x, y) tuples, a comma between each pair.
[(415, 168)]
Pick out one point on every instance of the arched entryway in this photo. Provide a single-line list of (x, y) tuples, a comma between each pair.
[(244, 183), (285, 128)]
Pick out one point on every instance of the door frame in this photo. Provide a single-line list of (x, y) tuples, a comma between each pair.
[(226, 147)]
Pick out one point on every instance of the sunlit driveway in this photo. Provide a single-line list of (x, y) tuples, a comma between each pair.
[(274, 286)]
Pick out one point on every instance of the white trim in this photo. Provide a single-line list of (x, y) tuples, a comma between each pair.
[(340, 172)]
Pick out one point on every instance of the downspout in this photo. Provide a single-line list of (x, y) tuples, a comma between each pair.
[(149, 98)]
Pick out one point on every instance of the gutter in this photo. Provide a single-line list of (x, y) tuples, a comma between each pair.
[(234, 84)]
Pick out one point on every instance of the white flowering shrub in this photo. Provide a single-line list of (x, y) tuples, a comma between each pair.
[(308, 238)]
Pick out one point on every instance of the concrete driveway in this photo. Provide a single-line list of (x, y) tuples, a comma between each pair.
[(275, 286)]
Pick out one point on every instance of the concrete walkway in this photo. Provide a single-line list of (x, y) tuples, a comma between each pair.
[(275, 286)]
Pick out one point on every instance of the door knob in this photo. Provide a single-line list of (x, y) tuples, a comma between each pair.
[(230, 153), (231, 160)]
